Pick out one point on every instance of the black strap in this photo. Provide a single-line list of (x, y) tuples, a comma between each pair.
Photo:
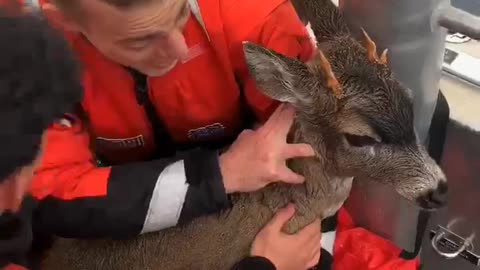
[(325, 262), (437, 135), (166, 146), (163, 140), (330, 223), (254, 263)]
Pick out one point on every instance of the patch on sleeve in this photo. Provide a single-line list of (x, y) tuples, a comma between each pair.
[(213, 131), (122, 143), (67, 121)]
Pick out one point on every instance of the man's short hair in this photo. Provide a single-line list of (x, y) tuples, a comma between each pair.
[(39, 83)]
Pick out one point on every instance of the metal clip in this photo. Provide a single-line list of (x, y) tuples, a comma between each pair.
[(462, 248)]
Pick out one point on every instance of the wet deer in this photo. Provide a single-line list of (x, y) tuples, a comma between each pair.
[(350, 108)]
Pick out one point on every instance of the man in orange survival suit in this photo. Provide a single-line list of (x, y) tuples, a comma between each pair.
[(162, 84), (39, 83), (163, 76)]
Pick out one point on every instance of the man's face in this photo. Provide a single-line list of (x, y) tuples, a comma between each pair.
[(147, 37), (14, 188)]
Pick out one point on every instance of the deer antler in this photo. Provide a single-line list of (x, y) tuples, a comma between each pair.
[(332, 81), (383, 57), (372, 51)]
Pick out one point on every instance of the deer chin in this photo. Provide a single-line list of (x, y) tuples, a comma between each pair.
[(437, 196), (426, 198)]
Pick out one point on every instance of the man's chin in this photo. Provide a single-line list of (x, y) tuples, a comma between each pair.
[(158, 71)]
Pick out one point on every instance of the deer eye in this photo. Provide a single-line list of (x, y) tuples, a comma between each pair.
[(359, 141)]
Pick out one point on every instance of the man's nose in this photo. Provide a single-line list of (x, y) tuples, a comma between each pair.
[(177, 45)]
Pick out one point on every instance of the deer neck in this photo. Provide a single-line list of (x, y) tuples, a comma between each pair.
[(326, 46), (322, 194), (323, 187), (317, 168)]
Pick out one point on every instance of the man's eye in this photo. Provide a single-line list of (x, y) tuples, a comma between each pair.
[(139, 44)]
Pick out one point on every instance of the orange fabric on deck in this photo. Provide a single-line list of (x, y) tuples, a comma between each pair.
[(359, 249)]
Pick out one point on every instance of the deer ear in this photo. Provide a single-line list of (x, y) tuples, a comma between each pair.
[(276, 75)]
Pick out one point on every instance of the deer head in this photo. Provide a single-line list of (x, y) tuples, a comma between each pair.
[(355, 114)]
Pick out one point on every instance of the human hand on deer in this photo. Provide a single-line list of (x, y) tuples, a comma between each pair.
[(258, 157), (288, 252)]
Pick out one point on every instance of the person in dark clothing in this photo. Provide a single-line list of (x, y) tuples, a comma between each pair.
[(40, 88), (39, 83)]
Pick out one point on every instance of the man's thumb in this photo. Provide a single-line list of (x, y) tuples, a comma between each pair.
[(282, 216)]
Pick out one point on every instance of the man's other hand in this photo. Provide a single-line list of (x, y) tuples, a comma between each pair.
[(299, 251)]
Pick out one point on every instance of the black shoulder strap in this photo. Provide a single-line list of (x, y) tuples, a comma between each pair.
[(164, 142)]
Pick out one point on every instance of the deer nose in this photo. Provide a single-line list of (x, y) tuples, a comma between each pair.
[(434, 198)]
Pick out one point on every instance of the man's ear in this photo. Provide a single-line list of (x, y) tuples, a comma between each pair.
[(59, 19), (277, 76)]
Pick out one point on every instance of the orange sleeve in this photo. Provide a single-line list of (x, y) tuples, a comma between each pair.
[(281, 31), (76, 198), (67, 169)]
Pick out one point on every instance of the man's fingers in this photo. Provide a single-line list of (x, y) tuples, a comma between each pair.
[(316, 251), (274, 118), (288, 176), (314, 247), (314, 241), (280, 121), (315, 258), (286, 120), (298, 150), (312, 230), (281, 217)]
